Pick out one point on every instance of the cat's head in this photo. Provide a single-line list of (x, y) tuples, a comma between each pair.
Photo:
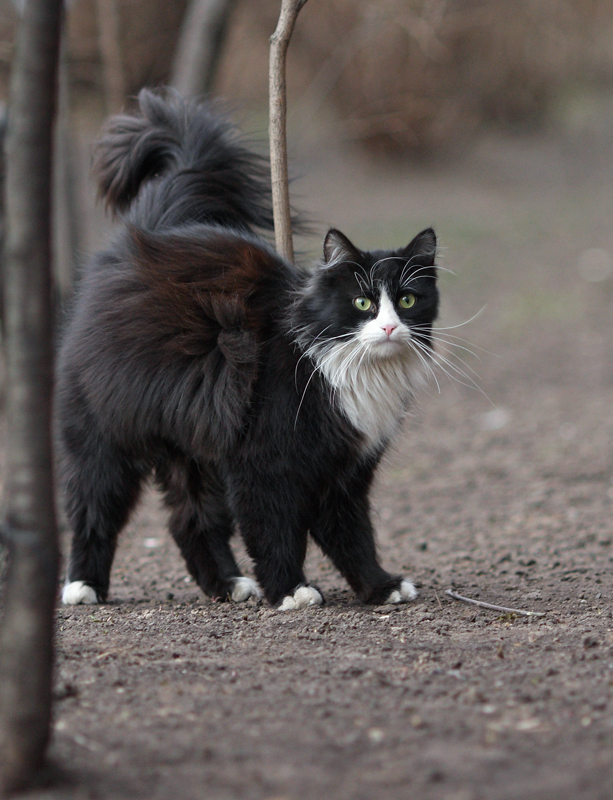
[(380, 302)]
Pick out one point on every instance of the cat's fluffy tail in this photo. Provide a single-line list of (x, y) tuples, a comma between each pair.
[(178, 162)]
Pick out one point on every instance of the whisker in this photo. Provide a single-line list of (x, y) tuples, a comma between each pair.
[(474, 317), (408, 265), (315, 369), (361, 283), (426, 363), (439, 333), (396, 258), (453, 366), (453, 379), (405, 283), (447, 343), (306, 353), (353, 263), (390, 258), (447, 367), (346, 363)]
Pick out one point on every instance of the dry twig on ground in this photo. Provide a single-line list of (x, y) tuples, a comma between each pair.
[(492, 607)]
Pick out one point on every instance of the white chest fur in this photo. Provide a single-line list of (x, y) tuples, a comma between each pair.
[(375, 397), (373, 375)]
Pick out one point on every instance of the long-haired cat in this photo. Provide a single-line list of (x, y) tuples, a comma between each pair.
[(260, 396)]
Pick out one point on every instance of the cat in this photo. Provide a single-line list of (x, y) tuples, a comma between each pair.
[(259, 395)]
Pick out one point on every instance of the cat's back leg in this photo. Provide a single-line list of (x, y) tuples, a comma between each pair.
[(202, 526), (101, 485)]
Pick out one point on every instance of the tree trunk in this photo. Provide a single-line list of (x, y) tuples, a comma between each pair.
[(200, 46), (29, 531), (277, 92)]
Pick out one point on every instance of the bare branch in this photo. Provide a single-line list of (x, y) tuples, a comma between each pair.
[(279, 43), (492, 607)]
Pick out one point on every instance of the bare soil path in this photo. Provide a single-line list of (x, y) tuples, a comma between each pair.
[(164, 695)]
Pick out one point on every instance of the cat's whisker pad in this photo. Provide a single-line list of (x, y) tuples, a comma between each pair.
[(303, 597)]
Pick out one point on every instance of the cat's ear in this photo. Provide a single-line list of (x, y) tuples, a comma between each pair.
[(424, 245), (337, 248)]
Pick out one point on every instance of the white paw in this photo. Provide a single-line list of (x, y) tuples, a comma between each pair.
[(405, 593), (78, 592), (303, 597), (243, 589)]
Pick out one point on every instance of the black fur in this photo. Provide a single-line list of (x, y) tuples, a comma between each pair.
[(184, 357)]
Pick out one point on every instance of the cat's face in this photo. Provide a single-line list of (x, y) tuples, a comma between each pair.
[(378, 304)]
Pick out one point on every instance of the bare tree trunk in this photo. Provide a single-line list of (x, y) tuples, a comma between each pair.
[(200, 46), (277, 89), (29, 530), (110, 51)]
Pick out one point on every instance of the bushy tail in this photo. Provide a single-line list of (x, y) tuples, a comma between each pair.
[(179, 162)]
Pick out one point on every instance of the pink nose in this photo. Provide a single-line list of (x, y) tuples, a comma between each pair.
[(389, 328)]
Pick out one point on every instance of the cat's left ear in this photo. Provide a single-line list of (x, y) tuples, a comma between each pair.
[(338, 248), (424, 245)]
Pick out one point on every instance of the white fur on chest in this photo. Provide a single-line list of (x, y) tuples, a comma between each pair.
[(373, 393), (373, 373)]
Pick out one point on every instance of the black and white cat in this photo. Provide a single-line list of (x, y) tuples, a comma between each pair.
[(259, 395)]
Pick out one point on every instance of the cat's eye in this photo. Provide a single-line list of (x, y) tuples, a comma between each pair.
[(407, 301), (362, 303)]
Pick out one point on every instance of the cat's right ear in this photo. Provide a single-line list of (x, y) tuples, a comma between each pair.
[(338, 248)]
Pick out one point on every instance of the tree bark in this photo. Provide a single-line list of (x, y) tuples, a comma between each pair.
[(277, 89), (200, 46), (29, 531)]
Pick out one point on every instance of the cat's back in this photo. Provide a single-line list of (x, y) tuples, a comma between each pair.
[(165, 320)]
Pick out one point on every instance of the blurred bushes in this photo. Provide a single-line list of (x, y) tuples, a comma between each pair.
[(399, 76), (422, 75), (148, 32)]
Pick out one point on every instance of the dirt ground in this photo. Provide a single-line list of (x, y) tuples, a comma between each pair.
[(504, 493)]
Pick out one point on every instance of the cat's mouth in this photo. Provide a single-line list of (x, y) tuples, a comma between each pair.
[(388, 346)]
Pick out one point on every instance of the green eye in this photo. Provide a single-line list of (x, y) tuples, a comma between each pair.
[(362, 303), (406, 301)]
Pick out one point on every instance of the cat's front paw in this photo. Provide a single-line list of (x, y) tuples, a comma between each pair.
[(303, 597), (78, 592), (403, 594), (243, 589)]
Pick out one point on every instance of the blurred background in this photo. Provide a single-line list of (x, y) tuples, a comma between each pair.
[(412, 82), (490, 120), (401, 77)]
